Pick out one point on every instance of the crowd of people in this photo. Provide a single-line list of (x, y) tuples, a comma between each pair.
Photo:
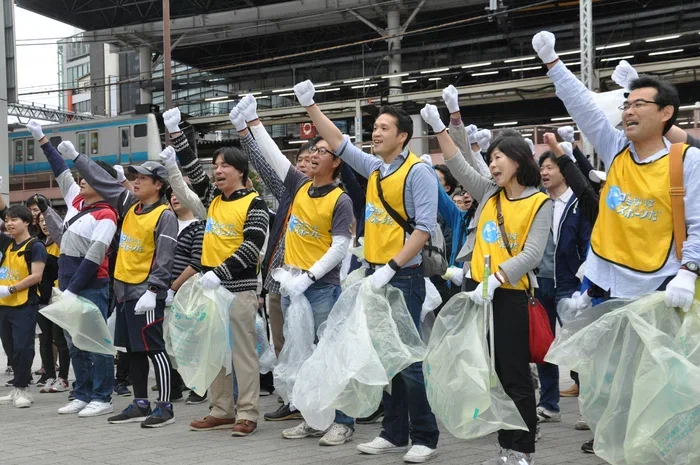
[(549, 223)]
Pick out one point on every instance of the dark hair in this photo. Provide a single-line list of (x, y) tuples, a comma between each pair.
[(404, 123), (450, 180), (666, 94), (548, 155), (107, 167), (515, 148), (307, 147), (31, 200), (236, 158), (21, 212)]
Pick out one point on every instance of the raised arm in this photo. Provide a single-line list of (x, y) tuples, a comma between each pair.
[(184, 194), (54, 223)]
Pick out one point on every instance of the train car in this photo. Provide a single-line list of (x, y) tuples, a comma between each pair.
[(122, 140)]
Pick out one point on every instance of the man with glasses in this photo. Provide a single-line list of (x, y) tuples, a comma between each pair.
[(632, 241)]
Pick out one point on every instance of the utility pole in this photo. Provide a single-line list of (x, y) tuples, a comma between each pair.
[(588, 75)]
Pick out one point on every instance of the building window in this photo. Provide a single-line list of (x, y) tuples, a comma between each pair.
[(140, 130), (55, 140), (30, 149), (82, 142), (94, 143), (19, 151)]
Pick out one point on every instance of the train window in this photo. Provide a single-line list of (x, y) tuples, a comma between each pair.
[(19, 151), (30, 149), (140, 130), (82, 142), (125, 137), (94, 143), (55, 140)]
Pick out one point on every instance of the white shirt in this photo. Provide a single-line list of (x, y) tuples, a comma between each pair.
[(559, 208)]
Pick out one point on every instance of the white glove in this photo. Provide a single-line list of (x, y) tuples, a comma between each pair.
[(171, 119), (477, 294), (4, 291), (543, 43), (305, 93), (483, 139), (169, 157), (146, 303), (248, 107), (566, 133), (624, 74), (299, 284), (568, 150), (427, 159), (681, 290), (68, 150), (68, 296), (381, 277), (531, 145), (210, 281), (35, 128), (121, 177), (237, 119), (169, 298), (431, 116), (471, 130), (582, 301), (451, 98), (455, 275)]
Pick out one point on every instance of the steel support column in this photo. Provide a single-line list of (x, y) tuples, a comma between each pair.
[(588, 76)]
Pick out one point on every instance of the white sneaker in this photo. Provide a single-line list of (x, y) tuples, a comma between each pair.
[(518, 458), (581, 424), (547, 416), (23, 399), (500, 459), (380, 446), (10, 398), (46, 386), (419, 454), (301, 431), (74, 406), (337, 435), (59, 385), (96, 408)]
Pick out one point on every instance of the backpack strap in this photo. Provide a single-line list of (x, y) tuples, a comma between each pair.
[(677, 195), (393, 213)]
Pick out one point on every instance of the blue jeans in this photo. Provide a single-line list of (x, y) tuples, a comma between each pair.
[(17, 325), (322, 296), (406, 409), (94, 373)]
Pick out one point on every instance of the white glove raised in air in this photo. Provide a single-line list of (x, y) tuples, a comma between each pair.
[(477, 295), (381, 277), (451, 98), (35, 128), (566, 133), (471, 130), (169, 157), (248, 107), (431, 115), (483, 139), (68, 296), (681, 290), (67, 149), (305, 93), (237, 119), (210, 281), (624, 74), (299, 284), (169, 298), (121, 177), (146, 303), (543, 43), (427, 159), (568, 149), (171, 119)]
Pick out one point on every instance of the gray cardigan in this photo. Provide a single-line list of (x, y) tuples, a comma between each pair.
[(482, 188)]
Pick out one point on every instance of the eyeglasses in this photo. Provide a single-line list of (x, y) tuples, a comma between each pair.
[(321, 150), (637, 104)]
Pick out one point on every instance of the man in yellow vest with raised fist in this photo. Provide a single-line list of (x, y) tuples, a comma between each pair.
[(398, 178)]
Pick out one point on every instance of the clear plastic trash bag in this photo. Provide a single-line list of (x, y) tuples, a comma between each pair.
[(299, 336), (461, 390), (266, 353), (639, 367), (197, 335), (83, 321)]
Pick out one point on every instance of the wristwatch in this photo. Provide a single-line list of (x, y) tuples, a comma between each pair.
[(693, 267), (153, 288), (393, 265), (311, 275), (12, 289)]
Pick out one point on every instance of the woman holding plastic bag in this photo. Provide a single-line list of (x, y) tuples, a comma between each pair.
[(510, 202)]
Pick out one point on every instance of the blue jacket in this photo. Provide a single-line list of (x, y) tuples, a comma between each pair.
[(457, 220), (571, 249)]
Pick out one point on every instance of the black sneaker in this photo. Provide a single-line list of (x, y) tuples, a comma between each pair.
[(10, 383), (42, 381), (194, 398), (177, 397), (71, 396), (162, 415), (587, 447), (372, 418), (137, 411), (40, 371), (283, 413), (121, 390)]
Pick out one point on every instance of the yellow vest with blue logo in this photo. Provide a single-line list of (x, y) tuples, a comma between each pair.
[(54, 251), (518, 216), (223, 233), (14, 269), (384, 237), (137, 245), (309, 227), (634, 228)]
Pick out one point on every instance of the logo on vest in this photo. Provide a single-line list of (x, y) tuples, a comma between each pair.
[(220, 229), (130, 244), (8, 274), (491, 233), (376, 215), (302, 228), (629, 206)]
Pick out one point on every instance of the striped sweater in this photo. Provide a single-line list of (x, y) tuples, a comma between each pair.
[(189, 247)]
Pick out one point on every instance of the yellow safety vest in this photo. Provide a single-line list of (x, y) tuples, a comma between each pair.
[(384, 237), (14, 269), (634, 228), (223, 233), (309, 227), (54, 251), (137, 245), (518, 216)]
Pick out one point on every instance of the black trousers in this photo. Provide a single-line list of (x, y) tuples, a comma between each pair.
[(511, 321), (52, 334)]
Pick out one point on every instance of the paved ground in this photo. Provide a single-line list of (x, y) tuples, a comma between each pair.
[(40, 435)]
